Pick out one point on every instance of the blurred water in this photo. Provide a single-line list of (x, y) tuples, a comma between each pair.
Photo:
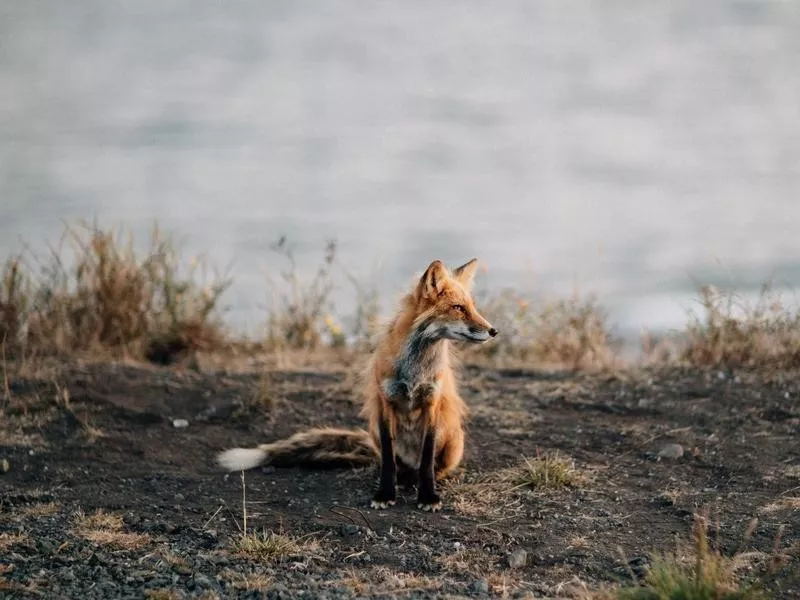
[(629, 147)]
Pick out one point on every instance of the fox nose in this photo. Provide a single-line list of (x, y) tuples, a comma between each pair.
[(493, 332)]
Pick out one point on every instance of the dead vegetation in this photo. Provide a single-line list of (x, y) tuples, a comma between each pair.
[(97, 292), (544, 472), (732, 333), (698, 571), (500, 493), (269, 546), (107, 529), (9, 540), (571, 332)]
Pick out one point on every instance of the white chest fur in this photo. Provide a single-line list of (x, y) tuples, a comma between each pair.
[(408, 440)]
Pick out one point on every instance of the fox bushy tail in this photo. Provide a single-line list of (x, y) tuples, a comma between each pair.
[(319, 447)]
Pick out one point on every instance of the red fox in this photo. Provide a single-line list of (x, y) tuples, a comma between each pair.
[(411, 400)]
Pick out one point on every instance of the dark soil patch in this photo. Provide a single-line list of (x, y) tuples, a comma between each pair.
[(112, 445)]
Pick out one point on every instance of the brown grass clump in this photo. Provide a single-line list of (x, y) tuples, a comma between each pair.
[(734, 334), (502, 493), (382, 580), (270, 546), (109, 297), (258, 582), (301, 315), (571, 333), (544, 472), (697, 572), (106, 529), (8, 540)]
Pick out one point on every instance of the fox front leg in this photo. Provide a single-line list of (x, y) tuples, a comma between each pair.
[(427, 498), (386, 494)]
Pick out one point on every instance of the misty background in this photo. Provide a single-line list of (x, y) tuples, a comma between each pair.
[(631, 149)]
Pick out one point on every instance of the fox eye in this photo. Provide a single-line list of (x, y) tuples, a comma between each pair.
[(460, 308)]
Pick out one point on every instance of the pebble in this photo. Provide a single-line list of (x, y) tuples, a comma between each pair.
[(517, 558), (480, 586), (180, 423), (5, 466), (179, 497), (673, 451)]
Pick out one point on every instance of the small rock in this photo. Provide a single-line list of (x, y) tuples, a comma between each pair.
[(180, 423), (348, 529), (5, 466), (202, 581), (179, 497), (674, 451), (480, 586), (517, 558)]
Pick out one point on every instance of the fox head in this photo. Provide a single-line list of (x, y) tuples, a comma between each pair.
[(445, 305)]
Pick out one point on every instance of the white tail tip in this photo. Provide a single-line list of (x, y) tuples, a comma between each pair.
[(241, 459)]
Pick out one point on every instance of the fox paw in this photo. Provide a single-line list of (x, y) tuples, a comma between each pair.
[(383, 500), (429, 503)]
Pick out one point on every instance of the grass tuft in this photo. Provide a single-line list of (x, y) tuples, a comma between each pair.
[(106, 529), (567, 333), (731, 333), (270, 546), (110, 298), (544, 472), (301, 315), (696, 573), (8, 540)]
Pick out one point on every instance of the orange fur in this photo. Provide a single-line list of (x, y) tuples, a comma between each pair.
[(447, 409), (411, 399)]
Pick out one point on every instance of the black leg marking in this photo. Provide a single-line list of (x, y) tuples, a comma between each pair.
[(387, 486), (427, 498)]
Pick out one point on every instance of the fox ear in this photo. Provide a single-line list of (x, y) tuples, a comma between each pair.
[(465, 274), (432, 281)]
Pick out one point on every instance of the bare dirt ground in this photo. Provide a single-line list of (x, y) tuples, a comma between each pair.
[(102, 437)]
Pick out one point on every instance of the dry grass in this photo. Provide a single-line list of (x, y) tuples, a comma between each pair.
[(263, 395), (8, 540), (572, 332), (382, 580), (466, 560), (501, 494), (38, 511), (301, 316), (698, 572), (787, 504), (106, 529), (162, 594), (95, 292), (544, 472), (247, 582), (269, 546), (671, 496), (731, 333), (177, 563), (109, 298)]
